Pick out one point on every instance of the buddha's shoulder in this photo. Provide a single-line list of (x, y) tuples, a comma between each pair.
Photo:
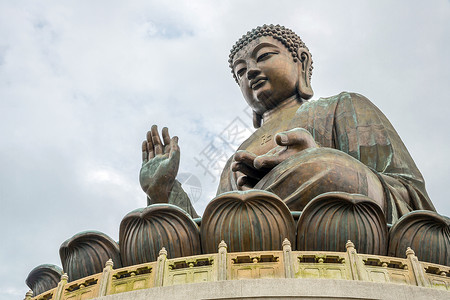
[(341, 98)]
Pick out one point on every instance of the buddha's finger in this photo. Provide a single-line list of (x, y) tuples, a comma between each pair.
[(144, 152), (174, 148), (166, 139), (151, 152), (157, 145), (241, 181), (246, 182), (244, 157), (243, 168), (291, 137), (267, 161), (174, 156)]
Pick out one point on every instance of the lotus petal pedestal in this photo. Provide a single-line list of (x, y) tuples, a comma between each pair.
[(86, 253), (331, 219), (145, 231), (247, 221), (43, 278), (426, 232)]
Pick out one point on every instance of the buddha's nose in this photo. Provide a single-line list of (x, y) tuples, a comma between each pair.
[(252, 72)]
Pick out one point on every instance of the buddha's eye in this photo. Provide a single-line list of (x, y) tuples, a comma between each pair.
[(241, 72), (265, 56)]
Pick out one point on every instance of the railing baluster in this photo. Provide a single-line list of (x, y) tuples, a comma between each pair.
[(106, 278), (160, 266), (417, 269), (59, 293), (222, 261), (287, 259)]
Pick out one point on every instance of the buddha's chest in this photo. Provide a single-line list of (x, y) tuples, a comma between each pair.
[(263, 139)]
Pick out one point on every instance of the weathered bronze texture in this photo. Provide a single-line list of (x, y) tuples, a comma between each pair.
[(246, 221), (331, 219), (144, 231), (426, 232), (43, 278), (86, 253)]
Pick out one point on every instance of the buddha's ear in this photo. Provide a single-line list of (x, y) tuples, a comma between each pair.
[(304, 63)]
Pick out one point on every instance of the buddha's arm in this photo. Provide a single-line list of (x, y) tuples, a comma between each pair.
[(179, 198), (365, 133)]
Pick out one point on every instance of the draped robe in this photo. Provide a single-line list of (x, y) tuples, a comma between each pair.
[(357, 144)]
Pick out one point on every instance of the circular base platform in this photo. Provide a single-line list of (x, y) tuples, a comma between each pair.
[(284, 289)]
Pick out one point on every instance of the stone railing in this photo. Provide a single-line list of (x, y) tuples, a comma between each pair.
[(286, 263)]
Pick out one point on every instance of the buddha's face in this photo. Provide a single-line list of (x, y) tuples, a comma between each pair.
[(266, 72)]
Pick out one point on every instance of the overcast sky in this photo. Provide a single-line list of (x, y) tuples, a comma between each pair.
[(82, 81)]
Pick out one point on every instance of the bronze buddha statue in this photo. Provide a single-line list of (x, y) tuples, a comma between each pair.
[(301, 148), (340, 150)]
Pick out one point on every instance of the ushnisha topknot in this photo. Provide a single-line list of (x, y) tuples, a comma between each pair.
[(286, 36)]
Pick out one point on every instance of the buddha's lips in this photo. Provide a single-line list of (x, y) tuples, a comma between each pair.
[(257, 82)]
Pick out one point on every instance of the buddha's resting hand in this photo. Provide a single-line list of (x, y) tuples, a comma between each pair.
[(289, 143), (251, 168), (247, 175), (160, 162)]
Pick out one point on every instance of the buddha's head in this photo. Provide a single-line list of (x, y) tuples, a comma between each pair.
[(271, 64)]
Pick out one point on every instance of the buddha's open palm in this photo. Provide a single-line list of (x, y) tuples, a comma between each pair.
[(160, 162)]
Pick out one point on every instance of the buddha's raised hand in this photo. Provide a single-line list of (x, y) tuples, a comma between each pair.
[(160, 162), (289, 143)]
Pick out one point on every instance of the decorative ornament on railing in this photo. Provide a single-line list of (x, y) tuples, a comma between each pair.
[(144, 231), (86, 253), (331, 219), (247, 221), (43, 278), (426, 232)]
